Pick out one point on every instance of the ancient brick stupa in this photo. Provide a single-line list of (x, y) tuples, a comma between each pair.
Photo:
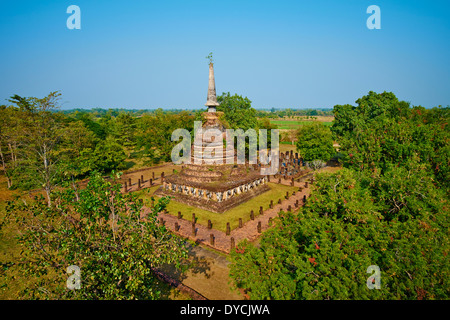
[(210, 182)]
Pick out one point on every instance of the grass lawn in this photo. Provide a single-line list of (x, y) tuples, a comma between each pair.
[(219, 220), (293, 124)]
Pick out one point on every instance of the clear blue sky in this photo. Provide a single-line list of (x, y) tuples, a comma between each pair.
[(298, 54)]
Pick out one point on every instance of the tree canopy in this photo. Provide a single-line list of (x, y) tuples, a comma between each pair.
[(315, 142), (103, 232), (388, 207)]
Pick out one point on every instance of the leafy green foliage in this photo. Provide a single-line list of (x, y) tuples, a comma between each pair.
[(238, 112), (108, 155), (103, 232), (315, 142), (323, 252), (381, 130), (388, 208), (154, 134)]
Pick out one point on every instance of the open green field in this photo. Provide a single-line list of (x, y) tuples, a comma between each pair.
[(294, 124), (219, 220)]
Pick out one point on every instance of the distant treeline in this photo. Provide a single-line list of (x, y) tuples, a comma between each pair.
[(260, 113)]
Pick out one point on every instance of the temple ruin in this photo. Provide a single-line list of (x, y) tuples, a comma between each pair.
[(210, 182)]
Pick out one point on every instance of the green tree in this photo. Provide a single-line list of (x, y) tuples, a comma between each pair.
[(109, 235), (324, 250), (43, 130), (154, 134), (107, 156), (381, 130), (238, 112), (315, 142)]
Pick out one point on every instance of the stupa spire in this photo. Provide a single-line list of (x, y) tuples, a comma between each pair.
[(211, 101)]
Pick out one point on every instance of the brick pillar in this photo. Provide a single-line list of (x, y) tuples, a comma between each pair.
[(228, 229), (259, 227)]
